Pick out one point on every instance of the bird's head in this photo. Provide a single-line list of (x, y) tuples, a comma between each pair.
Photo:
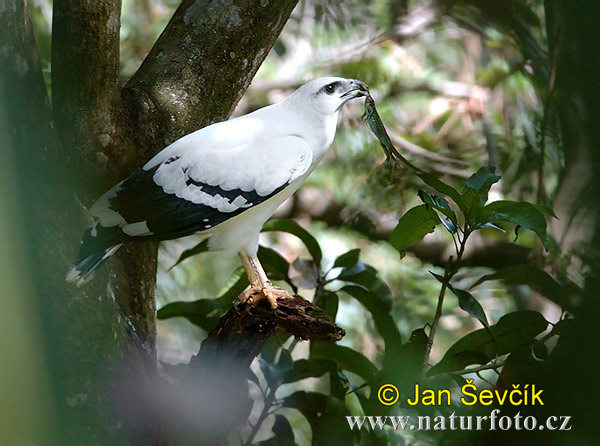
[(327, 95)]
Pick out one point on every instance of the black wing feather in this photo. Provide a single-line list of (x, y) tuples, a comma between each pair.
[(168, 216)]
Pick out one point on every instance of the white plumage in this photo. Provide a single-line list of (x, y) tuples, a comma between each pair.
[(224, 180)]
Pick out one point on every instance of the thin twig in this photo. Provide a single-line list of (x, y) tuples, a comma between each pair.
[(493, 366), (451, 269), (438, 310), (263, 415)]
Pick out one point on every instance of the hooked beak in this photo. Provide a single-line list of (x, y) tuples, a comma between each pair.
[(356, 89)]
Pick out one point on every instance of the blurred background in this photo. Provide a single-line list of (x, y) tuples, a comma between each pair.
[(459, 85)]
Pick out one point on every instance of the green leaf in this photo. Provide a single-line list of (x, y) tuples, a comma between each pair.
[(520, 367), (467, 302), (481, 181), (346, 358), (442, 188), (199, 248), (274, 264), (329, 302), (439, 203), (472, 204), (380, 309), (413, 226), (545, 210), (347, 260), (493, 226), (308, 368), (366, 276), (252, 377), (282, 428), (338, 384), (206, 312), (522, 214), (285, 360), (291, 227), (447, 223), (234, 286), (272, 373), (513, 331), (326, 416), (537, 279), (270, 349), (448, 218), (458, 361)]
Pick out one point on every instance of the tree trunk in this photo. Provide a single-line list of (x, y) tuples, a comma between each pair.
[(194, 75)]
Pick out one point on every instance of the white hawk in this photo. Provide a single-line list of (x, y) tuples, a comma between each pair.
[(223, 181)]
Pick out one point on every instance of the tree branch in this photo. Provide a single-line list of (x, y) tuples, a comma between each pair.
[(201, 66), (85, 87)]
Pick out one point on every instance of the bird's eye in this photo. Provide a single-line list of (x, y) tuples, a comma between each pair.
[(330, 89)]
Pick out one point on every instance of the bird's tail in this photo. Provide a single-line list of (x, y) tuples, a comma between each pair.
[(97, 245)]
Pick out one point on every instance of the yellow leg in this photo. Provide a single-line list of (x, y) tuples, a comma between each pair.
[(259, 271), (260, 285), (250, 270)]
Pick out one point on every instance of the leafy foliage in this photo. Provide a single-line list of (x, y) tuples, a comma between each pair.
[(324, 382)]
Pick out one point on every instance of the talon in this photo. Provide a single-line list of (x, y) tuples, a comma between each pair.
[(271, 293)]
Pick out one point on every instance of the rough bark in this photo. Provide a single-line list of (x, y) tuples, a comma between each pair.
[(201, 65), (105, 331), (239, 337)]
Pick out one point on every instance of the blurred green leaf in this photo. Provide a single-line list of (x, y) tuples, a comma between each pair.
[(274, 264), (346, 358), (285, 361), (513, 331), (326, 416), (537, 279), (308, 368), (252, 377), (338, 384), (282, 428), (271, 347), (206, 312), (291, 227), (380, 310), (458, 361), (348, 259), (366, 276), (520, 367), (198, 249), (272, 373), (523, 214), (329, 302), (413, 226)]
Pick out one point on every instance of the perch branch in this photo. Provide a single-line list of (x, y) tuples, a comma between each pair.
[(238, 338)]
